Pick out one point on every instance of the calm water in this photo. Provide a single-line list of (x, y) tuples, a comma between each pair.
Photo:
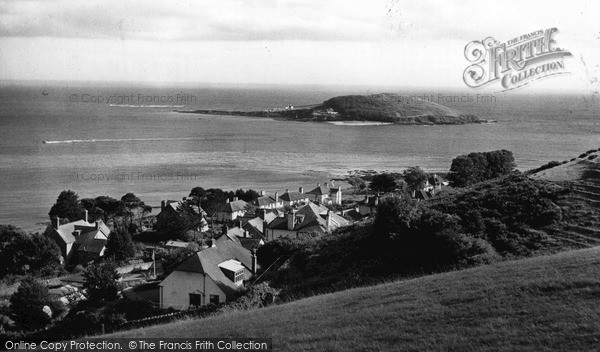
[(99, 149)]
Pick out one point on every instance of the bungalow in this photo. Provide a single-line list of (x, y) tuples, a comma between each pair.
[(311, 218), (79, 240), (213, 275), (265, 201), (326, 195), (232, 210), (294, 198)]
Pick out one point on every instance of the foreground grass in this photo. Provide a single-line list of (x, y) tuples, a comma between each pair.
[(538, 304)]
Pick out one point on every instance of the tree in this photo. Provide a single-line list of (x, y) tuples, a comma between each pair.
[(27, 303), (415, 178), (358, 183), (21, 253), (383, 183), (111, 208), (67, 206), (101, 283), (476, 167), (133, 203), (120, 246)]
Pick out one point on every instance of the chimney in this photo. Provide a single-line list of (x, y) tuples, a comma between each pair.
[(227, 201), (240, 223), (262, 213), (376, 201), (301, 190), (163, 204), (264, 228), (97, 224), (413, 193), (262, 193), (291, 219), (86, 216), (254, 264), (246, 234), (56, 222), (276, 198), (235, 199), (329, 224), (224, 229), (318, 185)]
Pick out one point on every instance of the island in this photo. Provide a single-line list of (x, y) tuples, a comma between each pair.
[(383, 108)]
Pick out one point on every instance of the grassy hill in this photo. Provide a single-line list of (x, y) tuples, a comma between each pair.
[(545, 303), (391, 108)]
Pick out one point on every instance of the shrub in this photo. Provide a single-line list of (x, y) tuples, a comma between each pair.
[(26, 304)]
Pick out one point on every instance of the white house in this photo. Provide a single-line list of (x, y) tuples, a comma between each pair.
[(326, 195), (213, 275), (79, 240), (266, 201), (294, 198), (232, 210)]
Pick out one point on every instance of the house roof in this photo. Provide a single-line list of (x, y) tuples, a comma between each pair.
[(268, 216), (178, 244), (253, 232), (65, 231), (207, 262), (236, 205), (228, 237), (251, 243), (265, 200), (293, 196), (313, 218), (172, 206), (320, 191), (92, 241)]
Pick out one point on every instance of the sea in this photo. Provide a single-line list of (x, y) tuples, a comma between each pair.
[(114, 138)]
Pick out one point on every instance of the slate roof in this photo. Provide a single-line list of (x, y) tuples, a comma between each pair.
[(314, 219), (228, 237), (178, 244), (320, 191), (231, 207), (91, 241), (207, 262), (265, 201), (293, 196), (65, 231), (251, 243)]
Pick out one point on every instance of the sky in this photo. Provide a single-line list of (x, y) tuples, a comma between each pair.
[(330, 42)]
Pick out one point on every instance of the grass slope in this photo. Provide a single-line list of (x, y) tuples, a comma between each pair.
[(536, 304)]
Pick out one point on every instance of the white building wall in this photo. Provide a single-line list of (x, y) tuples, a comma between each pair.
[(175, 289)]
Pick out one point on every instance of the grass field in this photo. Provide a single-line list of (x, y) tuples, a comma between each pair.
[(540, 304)]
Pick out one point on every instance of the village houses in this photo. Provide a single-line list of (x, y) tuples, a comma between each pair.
[(79, 241), (213, 275)]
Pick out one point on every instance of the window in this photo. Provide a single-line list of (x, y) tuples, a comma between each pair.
[(239, 276), (214, 299), (195, 299)]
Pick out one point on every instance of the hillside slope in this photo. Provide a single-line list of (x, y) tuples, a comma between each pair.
[(543, 303)]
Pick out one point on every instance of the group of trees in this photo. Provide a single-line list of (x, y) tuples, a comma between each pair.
[(414, 177), (120, 212), (22, 253), (213, 198), (476, 167)]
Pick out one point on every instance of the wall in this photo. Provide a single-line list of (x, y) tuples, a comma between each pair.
[(175, 289)]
